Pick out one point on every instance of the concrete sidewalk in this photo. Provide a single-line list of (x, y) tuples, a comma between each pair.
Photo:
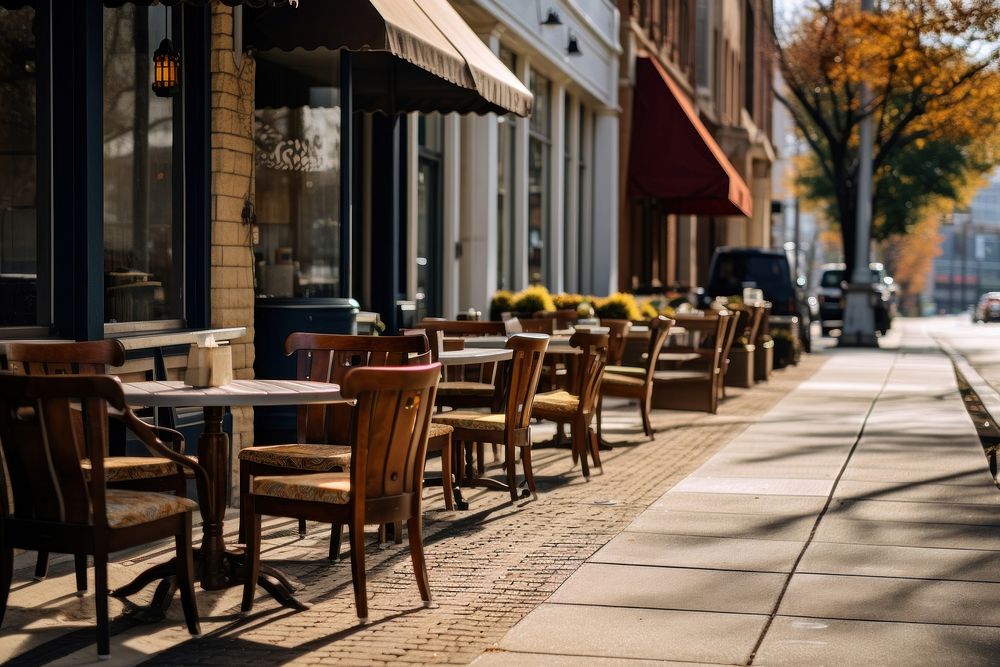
[(856, 523)]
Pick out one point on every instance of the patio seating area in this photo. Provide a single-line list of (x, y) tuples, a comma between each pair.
[(495, 561)]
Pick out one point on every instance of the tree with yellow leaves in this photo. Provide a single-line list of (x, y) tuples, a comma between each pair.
[(932, 66)]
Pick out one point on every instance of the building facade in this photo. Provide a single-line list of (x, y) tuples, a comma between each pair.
[(533, 200), (715, 59), (969, 263)]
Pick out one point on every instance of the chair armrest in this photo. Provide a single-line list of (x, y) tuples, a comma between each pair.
[(150, 437), (167, 435)]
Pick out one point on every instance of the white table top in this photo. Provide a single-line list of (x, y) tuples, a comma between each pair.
[(174, 393), (475, 356)]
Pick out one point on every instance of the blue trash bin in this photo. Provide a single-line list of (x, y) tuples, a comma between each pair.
[(274, 320)]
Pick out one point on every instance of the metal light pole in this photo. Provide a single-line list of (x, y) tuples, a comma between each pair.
[(859, 312)]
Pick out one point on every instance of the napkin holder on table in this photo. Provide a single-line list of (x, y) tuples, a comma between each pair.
[(209, 364)]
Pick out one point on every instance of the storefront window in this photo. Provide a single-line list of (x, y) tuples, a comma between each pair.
[(505, 186), (539, 144), (143, 224), (19, 268), (430, 132), (298, 200)]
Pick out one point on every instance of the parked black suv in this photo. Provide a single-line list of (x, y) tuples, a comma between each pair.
[(732, 269)]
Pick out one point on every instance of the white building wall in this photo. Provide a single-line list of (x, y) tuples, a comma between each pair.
[(581, 249)]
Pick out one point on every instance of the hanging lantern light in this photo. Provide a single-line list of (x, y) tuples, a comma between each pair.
[(166, 70)]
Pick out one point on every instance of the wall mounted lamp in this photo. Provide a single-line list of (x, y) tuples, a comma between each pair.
[(552, 18), (573, 47)]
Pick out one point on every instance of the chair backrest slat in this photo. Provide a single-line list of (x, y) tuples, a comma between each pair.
[(394, 409), (463, 327), (589, 368), (617, 338), (329, 358), (83, 358), (43, 443), (525, 368), (659, 329)]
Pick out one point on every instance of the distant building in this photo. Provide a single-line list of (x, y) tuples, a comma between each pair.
[(969, 263), (695, 149)]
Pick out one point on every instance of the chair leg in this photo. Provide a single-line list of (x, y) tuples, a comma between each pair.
[(252, 554), (600, 410), (302, 528), (6, 576), (511, 468), (529, 473), (397, 532), (647, 425), (446, 479), (42, 565), (336, 535), (185, 576), (80, 566), (244, 491), (595, 448), (414, 528), (580, 436), (357, 535), (481, 458), (101, 601)]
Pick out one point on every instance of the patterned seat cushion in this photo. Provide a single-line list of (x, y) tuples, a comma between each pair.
[(465, 389), (321, 458), (328, 487), (479, 421), (621, 380), (438, 430), (555, 405), (129, 468), (130, 508)]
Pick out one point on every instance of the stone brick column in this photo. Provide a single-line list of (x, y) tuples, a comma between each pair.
[(232, 297)]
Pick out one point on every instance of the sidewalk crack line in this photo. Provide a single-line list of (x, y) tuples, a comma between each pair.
[(826, 507)]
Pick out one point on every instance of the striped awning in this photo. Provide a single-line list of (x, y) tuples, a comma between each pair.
[(410, 55)]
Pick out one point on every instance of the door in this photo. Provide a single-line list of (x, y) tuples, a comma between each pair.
[(429, 255)]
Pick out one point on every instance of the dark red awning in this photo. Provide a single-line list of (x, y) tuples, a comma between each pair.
[(673, 157)]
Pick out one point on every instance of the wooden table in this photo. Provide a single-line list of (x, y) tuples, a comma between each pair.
[(220, 567), (475, 355)]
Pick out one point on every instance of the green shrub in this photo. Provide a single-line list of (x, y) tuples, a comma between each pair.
[(533, 299), (568, 301), (501, 303), (648, 311), (618, 306)]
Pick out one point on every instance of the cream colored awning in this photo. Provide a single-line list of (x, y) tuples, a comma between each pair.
[(410, 55)]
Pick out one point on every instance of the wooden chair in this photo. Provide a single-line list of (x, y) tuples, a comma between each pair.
[(472, 385), (578, 406), (323, 432), (763, 364), (463, 327), (144, 473), (439, 436), (697, 388), (636, 382), (564, 317), (55, 508), (392, 416), (511, 427), (618, 331), (741, 369)]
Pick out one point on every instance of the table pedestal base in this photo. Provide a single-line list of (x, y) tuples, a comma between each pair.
[(270, 579)]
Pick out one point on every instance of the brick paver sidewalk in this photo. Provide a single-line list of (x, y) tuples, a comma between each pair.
[(489, 566)]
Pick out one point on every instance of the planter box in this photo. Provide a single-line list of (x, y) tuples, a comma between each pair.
[(741, 366)]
